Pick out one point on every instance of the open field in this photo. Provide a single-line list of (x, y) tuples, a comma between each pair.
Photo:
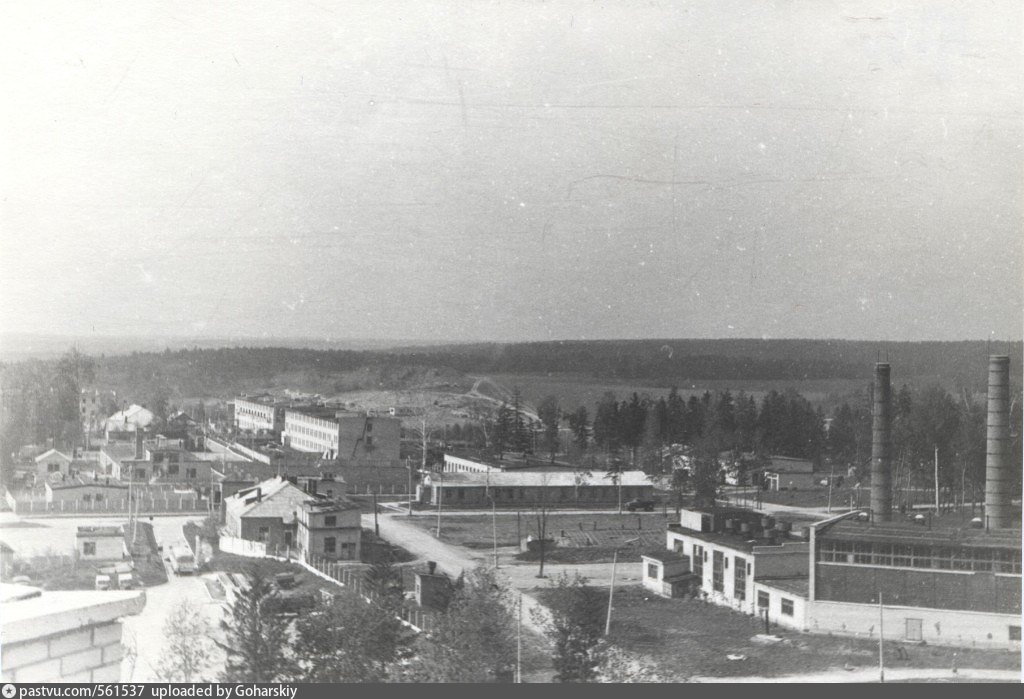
[(585, 538), (692, 637)]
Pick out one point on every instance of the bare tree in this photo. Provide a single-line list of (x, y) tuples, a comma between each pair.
[(187, 648)]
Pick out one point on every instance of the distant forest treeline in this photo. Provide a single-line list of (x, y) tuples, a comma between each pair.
[(207, 372)]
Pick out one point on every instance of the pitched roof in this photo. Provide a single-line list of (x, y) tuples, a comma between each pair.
[(133, 414), (50, 453), (277, 498)]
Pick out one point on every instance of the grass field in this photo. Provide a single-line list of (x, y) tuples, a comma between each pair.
[(692, 637)]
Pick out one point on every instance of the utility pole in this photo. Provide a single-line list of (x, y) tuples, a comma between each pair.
[(439, 494), (831, 477), (936, 479), (376, 526), (408, 465), (519, 640), (494, 531), (611, 595), (881, 633)]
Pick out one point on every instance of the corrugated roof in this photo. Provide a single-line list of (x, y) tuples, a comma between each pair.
[(551, 479)]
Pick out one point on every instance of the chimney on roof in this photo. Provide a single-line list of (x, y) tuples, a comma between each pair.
[(431, 566), (998, 469), (881, 445)]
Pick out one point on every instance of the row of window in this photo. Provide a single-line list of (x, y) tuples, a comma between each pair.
[(920, 556)]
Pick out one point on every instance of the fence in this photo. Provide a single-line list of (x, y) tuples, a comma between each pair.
[(351, 578), (143, 505)]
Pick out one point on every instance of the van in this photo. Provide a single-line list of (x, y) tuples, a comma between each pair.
[(182, 560)]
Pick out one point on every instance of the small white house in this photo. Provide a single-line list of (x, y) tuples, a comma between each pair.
[(100, 543)]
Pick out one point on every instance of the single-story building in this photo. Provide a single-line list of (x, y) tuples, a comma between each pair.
[(667, 573), (52, 463), (100, 543), (533, 487), (94, 491)]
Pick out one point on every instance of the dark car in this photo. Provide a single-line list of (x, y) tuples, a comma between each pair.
[(638, 504)]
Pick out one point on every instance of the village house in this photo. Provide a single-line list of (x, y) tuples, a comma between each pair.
[(265, 512), (124, 423), (52, 463)]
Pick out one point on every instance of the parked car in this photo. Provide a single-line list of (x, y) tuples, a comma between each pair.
[(126, 581), (638, 504), (102, 582)]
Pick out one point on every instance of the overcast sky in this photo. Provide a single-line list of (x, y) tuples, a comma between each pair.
[(513, 170)]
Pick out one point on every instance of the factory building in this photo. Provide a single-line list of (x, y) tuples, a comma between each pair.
[(937, 580), (259, 414)]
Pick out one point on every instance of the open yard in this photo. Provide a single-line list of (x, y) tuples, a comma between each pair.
[(581, 538), (692, 637)]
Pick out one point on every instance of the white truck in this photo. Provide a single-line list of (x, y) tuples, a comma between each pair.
[(181, 559)]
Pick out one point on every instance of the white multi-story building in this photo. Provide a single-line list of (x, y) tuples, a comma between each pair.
[(353, 437), (259, 414)]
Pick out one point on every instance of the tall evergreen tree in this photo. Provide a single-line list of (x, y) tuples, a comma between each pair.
[(550, 416), (257, 641), (579, 424), (575, 627)]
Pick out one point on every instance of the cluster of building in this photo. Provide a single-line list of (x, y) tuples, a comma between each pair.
[(332, 433), (927, 580)]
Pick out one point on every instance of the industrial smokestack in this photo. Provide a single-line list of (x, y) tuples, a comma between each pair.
[(997, 461), (881, 446)]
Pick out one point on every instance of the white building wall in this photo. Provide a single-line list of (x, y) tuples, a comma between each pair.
[(938, 626), (797, 620)]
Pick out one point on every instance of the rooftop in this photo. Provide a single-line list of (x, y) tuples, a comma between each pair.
[(535, 478), (29, 612), (324, 505), (797, 586), (942, 533), (665, 556), (106, 530), (80, 482)]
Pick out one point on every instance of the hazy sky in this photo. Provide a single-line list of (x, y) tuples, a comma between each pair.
[(513, 170)]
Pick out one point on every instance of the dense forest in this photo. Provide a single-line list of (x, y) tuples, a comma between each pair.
[(958, 366)]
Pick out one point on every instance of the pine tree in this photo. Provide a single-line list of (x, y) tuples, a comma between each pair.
[(503, 430), (520, 437), (256, 641), (575, 627), (549, 415), (474, 640), (579, 425)]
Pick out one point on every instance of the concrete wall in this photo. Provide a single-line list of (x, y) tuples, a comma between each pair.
[(97, 492), (938, 626), (530, 495), (276, 528), (346, 542)]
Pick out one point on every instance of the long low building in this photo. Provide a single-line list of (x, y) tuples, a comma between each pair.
[(345, 436), (945, 585), (533, 487)]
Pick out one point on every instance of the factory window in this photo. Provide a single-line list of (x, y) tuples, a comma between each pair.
[(652, 570), (99, 497), (914, 630), (460, 493), (677, 546), (263, 533), (763, 599), (787, 606), (698, 561), (882, 555), (943, 557), (718, 571), (922, 557), (1014, 633), (862, 553), (190, 473), (89, 548), (172, 469), (901, 555), (87, 498), (739, 586), (329, 544), (331, 521)]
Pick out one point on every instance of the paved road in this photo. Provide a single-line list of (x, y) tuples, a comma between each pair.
[(146, 630)]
